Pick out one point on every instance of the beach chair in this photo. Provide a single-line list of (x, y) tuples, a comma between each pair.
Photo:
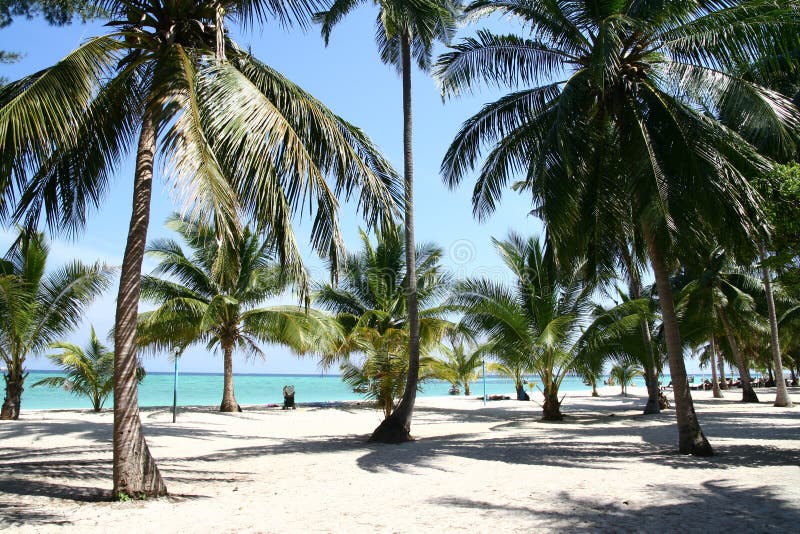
[(288, 398)]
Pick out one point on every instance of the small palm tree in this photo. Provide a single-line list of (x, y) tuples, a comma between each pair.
[(214, 295), (37, 307), (537, 321), (461, 364), (623, 373), (369, 303), (89, 371), (383, 371), (513, 367)]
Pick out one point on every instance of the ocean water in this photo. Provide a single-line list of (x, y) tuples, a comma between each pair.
[(206, 390)]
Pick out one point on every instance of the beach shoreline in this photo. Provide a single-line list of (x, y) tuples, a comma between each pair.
[(475, 467)]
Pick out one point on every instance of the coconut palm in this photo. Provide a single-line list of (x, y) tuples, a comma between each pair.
[(537, 321), (623, 373), (460, 364), (723, 294), (370, 305), (39, 307), (405, 31), (623, 123), (89, 371), (615, 335), (381, 375), (234, 133), (514, 366), (222, 308)]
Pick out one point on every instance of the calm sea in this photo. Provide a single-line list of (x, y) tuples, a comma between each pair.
[(206, 390)]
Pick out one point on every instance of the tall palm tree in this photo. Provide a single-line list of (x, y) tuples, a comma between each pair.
[(369, 302), (235, 134), (39, 307), (406, 30), (624, 123), (198, 303), (538, 320), (89, 371)]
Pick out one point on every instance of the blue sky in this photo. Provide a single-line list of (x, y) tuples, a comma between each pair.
[(350, 79)]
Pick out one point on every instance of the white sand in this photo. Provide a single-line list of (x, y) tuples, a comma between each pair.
[(472, 469)]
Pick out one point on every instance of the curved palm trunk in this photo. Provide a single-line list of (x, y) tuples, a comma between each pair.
[(15, 379), (397, 427), (653, 405), (782, 398), (229, 403), (690, 436), (748, 395), (714, 380), (135, 471), (723, 381)]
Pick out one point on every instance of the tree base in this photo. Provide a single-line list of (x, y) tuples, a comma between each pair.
[(748, 395), (787, 404), (230, 407), (391, 431), (718, 395), (652, 407), (695, 444)]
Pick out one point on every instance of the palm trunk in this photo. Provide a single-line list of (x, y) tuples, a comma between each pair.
[(713, 359), (15, 379), (397, 427), (748, 395), (651, 374), (782, 398), (466, 389), (135, 471), (690, 436), (229, 403), (594, 389), (721, 362), (551, 409), (653, 405)]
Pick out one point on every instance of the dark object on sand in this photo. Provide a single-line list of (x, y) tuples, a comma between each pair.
[(288, 397), (663, 402)]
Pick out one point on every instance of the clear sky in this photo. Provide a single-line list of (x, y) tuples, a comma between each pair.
[(350, 79)]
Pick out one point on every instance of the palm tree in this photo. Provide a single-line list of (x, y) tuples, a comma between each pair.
[(37, 307), (369, 304), (720, 292), (623, 373), (200, 303), (536, 322), (236, 135), (89, 371), (461, 363), (616, 335), (382, 373), (405, 28), (624, 125)]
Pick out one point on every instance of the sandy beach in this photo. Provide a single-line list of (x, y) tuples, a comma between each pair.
[(472, 468)]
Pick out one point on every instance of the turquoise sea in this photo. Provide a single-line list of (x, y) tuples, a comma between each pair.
[(206, 390)]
